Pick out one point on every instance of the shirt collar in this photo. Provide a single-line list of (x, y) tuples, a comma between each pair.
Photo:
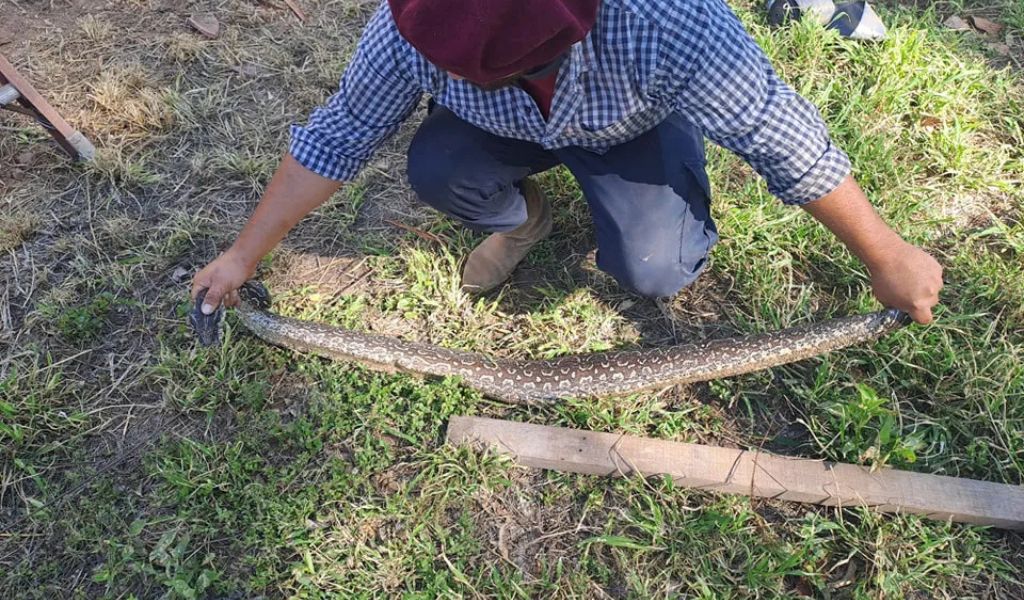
[(546, 70)]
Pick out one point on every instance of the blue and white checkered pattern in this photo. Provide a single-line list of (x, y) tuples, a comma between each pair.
[(643, 60)]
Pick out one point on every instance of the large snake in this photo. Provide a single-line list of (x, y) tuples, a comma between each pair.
[(542, 381)]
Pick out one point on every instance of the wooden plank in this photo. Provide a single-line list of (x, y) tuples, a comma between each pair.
[(747, 472), (73, 142)]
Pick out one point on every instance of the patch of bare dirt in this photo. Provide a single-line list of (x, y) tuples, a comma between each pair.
[(521, 530)]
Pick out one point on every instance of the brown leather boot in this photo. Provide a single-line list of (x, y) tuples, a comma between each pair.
[(493, 261)]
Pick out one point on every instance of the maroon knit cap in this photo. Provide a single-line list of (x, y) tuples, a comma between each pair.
[(487, 40)]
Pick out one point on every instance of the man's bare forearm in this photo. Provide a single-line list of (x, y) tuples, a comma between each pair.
[(293, 193), (848, 214), (902, 275)]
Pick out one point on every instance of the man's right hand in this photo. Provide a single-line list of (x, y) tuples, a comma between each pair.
[(293, 192), (222, 278)]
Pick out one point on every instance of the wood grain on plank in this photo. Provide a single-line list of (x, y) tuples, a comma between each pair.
[(63, 133), (30, 96), (748, 472)]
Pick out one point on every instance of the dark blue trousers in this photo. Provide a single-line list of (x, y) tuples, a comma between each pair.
[(649, 197)]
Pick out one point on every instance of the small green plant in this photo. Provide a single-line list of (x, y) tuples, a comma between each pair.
[(184, 573), (868, 431), (84, 322)]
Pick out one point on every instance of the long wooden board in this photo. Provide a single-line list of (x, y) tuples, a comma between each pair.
[(748, 472), (73, 142)]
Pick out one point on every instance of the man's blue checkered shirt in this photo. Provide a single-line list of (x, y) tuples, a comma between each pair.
[(643, 60)]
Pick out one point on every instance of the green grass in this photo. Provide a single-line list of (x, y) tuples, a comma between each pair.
[(134, 464)]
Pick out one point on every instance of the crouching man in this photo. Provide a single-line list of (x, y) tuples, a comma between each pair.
[(621, 92)]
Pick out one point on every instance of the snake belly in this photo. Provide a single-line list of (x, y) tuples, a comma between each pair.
[(582, 375)]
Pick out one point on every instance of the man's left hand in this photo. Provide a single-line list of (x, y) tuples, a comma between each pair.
[(902, 275), (908, 279)]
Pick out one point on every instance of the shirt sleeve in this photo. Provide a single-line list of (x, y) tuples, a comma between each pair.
[(375, 96), (736, 98)]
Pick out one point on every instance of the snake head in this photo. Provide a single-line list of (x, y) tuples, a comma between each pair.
[(206, 327)]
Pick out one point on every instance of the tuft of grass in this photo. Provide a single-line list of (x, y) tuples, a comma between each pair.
[(254, 170), (306, 303), (16, 226), (180, 233), (121, 171), (127, 102), (41, 417), (81, 323), (194, 378), (95, 30), (182, 47)]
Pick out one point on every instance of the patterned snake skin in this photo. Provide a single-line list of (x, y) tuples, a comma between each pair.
[(542, 381)]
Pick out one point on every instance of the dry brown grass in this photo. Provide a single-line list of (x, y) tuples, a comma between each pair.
[(16, 225)]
